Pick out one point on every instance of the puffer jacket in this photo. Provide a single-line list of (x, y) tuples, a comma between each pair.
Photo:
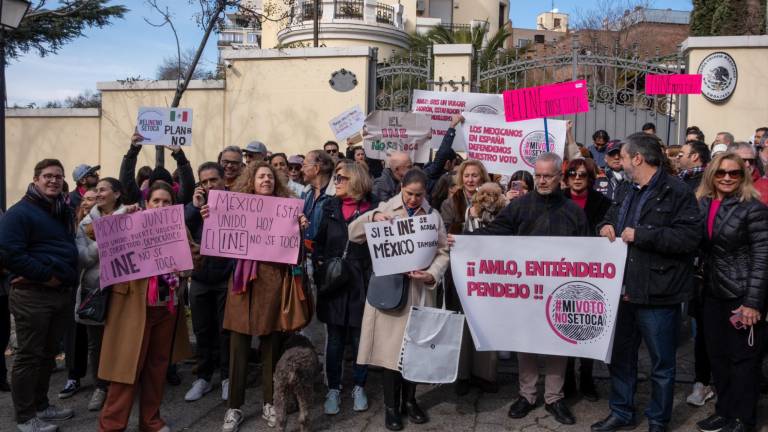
[(735, 259)]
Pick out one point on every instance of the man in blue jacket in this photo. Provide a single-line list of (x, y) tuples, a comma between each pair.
[(37, 241)]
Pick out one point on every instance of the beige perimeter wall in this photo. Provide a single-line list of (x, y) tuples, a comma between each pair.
[(747, 108)]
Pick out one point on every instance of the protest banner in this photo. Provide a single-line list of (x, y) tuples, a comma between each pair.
[(546, 101), (402, 245), (386, 132), (347, 123), (673, 84), (508, 147), (543, 295), (254, 227), (142, 244), (440, 106), (165, 126)]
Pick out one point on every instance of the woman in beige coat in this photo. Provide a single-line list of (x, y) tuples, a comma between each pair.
[(382, 332), (142, 334)]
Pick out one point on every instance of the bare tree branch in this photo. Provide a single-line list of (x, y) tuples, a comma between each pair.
[(166, 14)]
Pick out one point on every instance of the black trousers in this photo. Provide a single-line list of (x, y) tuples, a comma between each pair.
[(5, 335), (42, 315), (76, 350), (207, 303), (735, 364)]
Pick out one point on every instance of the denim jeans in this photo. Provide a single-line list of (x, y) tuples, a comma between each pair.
[(658, 327), (334, 356)]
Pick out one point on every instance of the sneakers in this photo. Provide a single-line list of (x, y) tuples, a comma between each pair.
[(269, 415), (199, 388), (332, 402), (360, 399), (36, 425), (70, 388), (700, 395), (55, 413), (225, 389), (97, 400), (713, 423), (232, 420)]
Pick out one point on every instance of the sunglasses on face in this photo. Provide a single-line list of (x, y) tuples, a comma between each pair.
[(294, 167), (338, 178), (750, 161), (734, 174), (577, 174)]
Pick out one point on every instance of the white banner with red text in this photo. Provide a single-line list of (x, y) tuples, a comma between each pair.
[(508, 147), (543, 295)]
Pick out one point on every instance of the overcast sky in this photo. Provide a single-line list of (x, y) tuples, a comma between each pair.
[(131, 47)]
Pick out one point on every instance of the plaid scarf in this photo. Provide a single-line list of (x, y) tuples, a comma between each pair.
[(56, 207), (690, 172)]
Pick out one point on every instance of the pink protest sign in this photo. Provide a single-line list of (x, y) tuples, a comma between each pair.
[(672, 84), (142, 244), (546, 101), (255, 227)]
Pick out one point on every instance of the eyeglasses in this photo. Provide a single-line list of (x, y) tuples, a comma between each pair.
[(577, 174), (734, 174), (338, 178), (52, 177), (294, 167), (546, 177), (332, 151), (225, 162), (750, 161)]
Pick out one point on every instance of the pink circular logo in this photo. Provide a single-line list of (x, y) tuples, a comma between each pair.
[(533, 145), (578, 312)]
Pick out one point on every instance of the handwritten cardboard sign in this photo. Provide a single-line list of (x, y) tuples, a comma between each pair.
[(441, 106), (387, 132), (546, 101), (165, 126), (347, 123), (142, 244), (255, 227), (672, 84), (508, 147), (402, 245)]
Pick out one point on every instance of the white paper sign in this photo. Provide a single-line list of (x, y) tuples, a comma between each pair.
[(347, 123), (440, 106), (387, 132), (165, 126), (402, 245), (508, 147), (543, 295)]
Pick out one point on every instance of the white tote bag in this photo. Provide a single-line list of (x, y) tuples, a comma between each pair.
[(431, 345)]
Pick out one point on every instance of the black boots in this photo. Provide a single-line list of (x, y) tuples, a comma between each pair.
[(400, 399), (410, 407), (392, 387)]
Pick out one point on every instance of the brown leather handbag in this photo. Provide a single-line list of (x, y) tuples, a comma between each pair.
[(296, 305)]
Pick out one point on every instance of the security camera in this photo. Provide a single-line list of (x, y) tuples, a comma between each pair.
[(228, 64)]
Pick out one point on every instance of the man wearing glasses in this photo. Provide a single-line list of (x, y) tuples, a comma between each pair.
[(37, 244), (544, 212), (255, 151), (231, 159), (747, 152), (332, 148)]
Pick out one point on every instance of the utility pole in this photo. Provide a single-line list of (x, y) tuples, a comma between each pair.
[(316, 19)]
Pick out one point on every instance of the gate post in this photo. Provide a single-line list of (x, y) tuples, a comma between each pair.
[(453, 67)]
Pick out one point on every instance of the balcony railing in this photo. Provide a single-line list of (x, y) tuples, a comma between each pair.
[(305, 11), (385, 14), (348, 9), (457, 27)]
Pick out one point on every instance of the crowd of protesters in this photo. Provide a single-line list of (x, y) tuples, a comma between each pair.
[(693, 217)]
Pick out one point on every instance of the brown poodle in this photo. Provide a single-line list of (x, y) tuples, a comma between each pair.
[(295, 376), (488, 201)]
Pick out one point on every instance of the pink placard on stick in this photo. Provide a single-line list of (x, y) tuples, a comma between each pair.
[(142, 244), (546, 101), (255, 227), (672, 84)]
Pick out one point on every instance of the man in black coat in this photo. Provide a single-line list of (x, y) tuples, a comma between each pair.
[(659, 220), (542, 212), (208, 294), (693, 158)]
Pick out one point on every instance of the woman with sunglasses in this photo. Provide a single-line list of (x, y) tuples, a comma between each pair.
[(734, 257), (279, 162), (579, 178), (341, 308)]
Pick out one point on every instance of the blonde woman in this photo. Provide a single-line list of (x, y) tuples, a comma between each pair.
[(471, 175), (735, 266), (341, 308)]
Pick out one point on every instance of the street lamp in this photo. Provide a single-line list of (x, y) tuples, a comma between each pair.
[(11, 14)]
